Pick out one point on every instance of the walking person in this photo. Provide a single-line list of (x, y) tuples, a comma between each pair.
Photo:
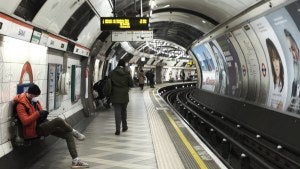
[(151, 78), (121, 82), (141, 77), (182, 75), (30, 112)]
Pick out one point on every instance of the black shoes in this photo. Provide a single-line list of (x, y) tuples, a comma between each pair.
[(124, 129)]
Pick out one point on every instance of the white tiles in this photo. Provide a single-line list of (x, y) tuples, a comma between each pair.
[(5, 134), (16, 69), (5, 112), (0, 92), (1, 71), (6, 72), (7, 147), (39, 72), (5, 92), (1, 151)]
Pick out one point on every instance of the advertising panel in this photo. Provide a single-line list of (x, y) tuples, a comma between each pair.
[(264, 73), (294, 11), (251, 64), (233, 65), (215, 72), (221, 68), (241, 57), (275, 57), (207, 66), (289, 38)]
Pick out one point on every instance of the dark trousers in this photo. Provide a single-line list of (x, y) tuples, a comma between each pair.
[(120, 115), (59, 128), (152, 83), (141, 86)]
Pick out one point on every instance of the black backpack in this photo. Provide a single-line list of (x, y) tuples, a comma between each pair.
[(103, 87), (17, 129)]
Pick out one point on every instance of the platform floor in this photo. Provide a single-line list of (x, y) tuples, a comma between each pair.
[(156, 139)]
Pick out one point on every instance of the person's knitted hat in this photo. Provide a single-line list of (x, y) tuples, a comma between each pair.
[(121, 63), (34, 89)]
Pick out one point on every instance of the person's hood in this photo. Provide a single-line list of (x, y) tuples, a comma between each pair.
[(21, 98)]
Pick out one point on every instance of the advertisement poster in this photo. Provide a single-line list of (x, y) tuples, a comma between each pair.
[(233, 66), (294, 11), (216, 67), (288, 35), (277, 62), (75, 83), (207, 66), (264, 74), (221, 68), (244, 69), (51, 86), (251, 64)]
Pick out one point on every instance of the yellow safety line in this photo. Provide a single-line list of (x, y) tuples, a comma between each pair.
[(197, 158), (195, 155)]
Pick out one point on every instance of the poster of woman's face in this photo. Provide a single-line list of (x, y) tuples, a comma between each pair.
[(284, 22)]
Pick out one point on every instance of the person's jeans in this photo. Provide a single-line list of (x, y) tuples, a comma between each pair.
[(59, 128), (120, 115)]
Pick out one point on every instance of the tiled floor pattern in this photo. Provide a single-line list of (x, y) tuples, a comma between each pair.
[(104, 150)]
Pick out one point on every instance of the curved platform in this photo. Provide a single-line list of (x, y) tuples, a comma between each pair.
[(156, 138)]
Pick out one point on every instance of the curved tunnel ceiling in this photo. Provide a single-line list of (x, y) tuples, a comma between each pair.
[(178, 21), (178, 33)]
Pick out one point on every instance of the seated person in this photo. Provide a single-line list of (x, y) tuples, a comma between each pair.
[(29, 110), (99, 87)]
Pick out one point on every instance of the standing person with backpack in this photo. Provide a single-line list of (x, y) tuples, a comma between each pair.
[(29, 111), (121, 82)]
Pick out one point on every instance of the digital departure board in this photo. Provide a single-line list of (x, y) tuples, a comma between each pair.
[(123, 23)]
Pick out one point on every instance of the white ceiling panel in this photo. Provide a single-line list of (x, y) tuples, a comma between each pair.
[(219, 10), (89, 34), (188, 19), (9, 6), (102, 7), (55, 13)]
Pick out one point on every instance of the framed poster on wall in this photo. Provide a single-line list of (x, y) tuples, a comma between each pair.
[(53, 94), (75, 83)]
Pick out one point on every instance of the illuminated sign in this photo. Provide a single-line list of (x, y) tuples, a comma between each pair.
[(122, 23)]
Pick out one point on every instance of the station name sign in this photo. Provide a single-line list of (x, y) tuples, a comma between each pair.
[(124, 23)]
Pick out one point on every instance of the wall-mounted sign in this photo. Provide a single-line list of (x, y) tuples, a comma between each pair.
[(14, 28), (57, 42), (81, 50), (124, 23), (36, 36), (119, 36), (75, 83)]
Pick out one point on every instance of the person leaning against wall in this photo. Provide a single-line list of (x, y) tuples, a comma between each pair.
[(30, 112), (121, 82)]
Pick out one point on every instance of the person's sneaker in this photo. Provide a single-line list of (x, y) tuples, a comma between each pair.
[(117, 132), (77, 163), (78, 135), (124, 129)]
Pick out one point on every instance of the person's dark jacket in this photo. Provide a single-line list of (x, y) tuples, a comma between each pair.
[(121, 83)]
